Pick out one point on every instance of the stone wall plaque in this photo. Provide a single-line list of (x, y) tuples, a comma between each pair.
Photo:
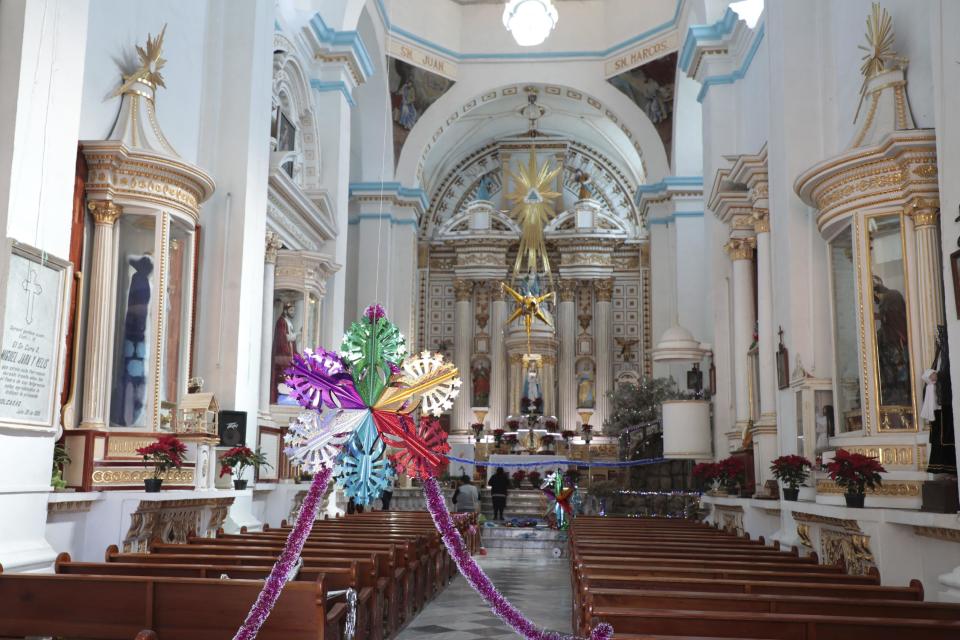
[(33, 316)]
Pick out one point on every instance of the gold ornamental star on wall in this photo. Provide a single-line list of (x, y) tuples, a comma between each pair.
[(151, 62), (533, 209)]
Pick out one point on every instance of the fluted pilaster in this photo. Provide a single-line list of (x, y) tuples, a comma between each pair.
[(100, 313), (462, 349), (602, 330), (925, 214), (766, 331), (567, 328), (498, 362), (741, 253), (272, 245)]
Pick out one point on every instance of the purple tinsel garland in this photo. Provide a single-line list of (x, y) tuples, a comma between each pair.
[(479, 580), (288, 557)]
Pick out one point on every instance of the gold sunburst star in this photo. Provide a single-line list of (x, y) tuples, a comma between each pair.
[(528, 307), (879, 53), (533, 209), (151, 62)]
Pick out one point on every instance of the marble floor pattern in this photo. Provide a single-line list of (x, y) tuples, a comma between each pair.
[(540, 587)]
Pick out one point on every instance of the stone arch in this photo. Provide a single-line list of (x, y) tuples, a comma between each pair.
[(637, 129), (291, 92)]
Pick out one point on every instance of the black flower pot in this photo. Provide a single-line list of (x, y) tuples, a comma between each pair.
[(152, 485), (239, 485), (855, 500), (791, 493)]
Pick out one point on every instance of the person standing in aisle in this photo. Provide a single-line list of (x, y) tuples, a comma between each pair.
[(468, 498), (499, 486)]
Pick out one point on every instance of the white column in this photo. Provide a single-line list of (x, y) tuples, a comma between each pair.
[(567, 329), (100, 313), (741, 253), (765, 431), (925, 214), (266, 335), (462, 349), (766, 333), (602, 340), (498, 355), (334, 138)]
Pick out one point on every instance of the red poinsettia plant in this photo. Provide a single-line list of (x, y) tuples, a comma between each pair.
[(164, 454), (855, 472), (518, 477), (790, 470), (534, 478), (238, 459), (732, 470), (706, 472)]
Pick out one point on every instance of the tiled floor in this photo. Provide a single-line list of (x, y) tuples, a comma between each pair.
[(539, 587)]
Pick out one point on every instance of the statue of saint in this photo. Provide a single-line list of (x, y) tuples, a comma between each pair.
[(531, 388), (284, 346), (481, 384), (483, 189), (584, 390)]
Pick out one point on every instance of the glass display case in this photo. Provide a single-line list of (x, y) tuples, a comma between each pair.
[(849, 413), (152, 321)]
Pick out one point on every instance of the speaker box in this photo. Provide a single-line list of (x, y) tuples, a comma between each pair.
[(232, 427)]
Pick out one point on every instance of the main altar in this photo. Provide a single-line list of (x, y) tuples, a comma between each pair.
[(545, 217)]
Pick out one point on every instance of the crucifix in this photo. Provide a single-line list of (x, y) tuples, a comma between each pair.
[(32, 289)]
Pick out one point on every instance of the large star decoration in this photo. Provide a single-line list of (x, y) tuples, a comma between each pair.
[(528, 307), (532, 202), (360, 400)]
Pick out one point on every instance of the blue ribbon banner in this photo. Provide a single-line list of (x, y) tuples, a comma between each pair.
[(558, 463)]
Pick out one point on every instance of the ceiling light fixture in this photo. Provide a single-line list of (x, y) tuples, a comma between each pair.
[(530, 21)]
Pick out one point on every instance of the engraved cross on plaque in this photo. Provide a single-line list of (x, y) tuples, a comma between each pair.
[(33, 289)]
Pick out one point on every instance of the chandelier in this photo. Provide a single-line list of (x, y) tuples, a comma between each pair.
[(530, 21)]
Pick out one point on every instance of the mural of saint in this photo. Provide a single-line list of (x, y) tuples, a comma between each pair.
[(284, 346), (650, 87), (130, 386), (480, 376), (412, 91)]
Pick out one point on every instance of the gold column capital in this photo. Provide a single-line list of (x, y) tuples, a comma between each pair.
[(740, 248), (604, 289), (567, 290), (761, 220), (463, 290), (105, 212), (923, 211), (272, 244)]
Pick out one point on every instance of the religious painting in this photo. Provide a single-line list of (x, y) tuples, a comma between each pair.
[(288, 311), (33, 326), (480, 381), (586, 374), (134, 321), (955, 269), (412, 91), (890, 322), (286, 133), (650, 87), (783, 364)]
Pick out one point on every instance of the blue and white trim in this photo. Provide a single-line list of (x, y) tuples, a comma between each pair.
[(340, 86), (700, 33), (737, 74), (673, 217), (343, 39), (394, 190)]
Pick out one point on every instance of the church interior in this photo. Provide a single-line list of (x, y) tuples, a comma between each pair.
[(462, 319)]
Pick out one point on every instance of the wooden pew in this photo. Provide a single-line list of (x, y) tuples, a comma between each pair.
[(776, 626), (120, 607)]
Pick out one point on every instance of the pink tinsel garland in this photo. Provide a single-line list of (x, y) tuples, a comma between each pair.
[(481, 582), (288, 558)]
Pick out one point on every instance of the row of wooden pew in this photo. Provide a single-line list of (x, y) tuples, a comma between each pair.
[(395, 561), (679, 578)]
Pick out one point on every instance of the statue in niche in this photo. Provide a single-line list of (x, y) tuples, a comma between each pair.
[(581, 177), (532, 392), (483, 189), (585, 394), (480, 376), (284, 346), (893, 355), (130, 390)]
